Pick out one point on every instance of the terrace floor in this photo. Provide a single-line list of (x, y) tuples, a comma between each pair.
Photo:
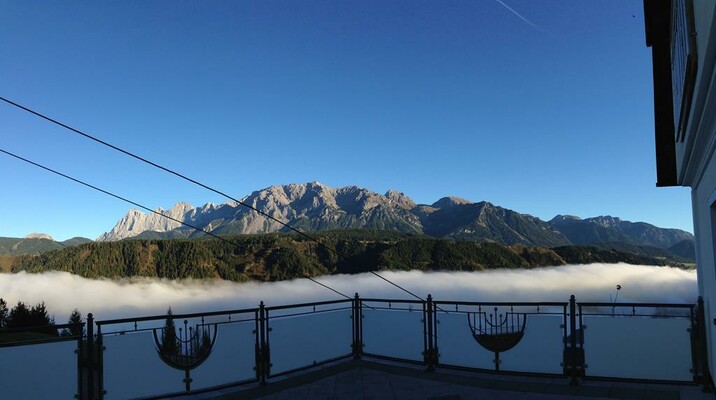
[(379, 380)]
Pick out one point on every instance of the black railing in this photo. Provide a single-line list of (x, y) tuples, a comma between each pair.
[(286, 312), (187, 352), (499, 326), (46, 335), (437, 334), (691, 314)]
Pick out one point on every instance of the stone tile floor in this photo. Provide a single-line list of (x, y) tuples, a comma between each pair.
[(367, 380)]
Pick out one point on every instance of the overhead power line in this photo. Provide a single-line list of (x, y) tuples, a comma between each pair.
[(153, 164), (182, 176), (134, 203)]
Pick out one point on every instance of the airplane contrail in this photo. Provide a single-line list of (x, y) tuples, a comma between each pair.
[(518, 15)]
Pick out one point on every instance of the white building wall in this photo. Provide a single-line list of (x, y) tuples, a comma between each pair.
[(697, 163), (686, 163), (703, 18), (702, 198)]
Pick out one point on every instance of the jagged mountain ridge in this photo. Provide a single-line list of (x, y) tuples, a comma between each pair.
[(612, 229), (136, 222), (317, 207)]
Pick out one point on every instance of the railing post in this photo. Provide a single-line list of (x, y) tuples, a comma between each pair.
[(357, 316), (262, 362), (573, 357), (80, 365), (436, 354), (701, 321), (695, 340), (89, 361), (99, 366), (257, 346), (429, 356)]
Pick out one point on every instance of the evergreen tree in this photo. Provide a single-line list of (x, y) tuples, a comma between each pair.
[(77, 329), (19, 316), (205, 346), (39, 315), (170, 342), (3, 313)]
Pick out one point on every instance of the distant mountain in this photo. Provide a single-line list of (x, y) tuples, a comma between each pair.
[(27, 245), (39, 236), (310, 207), (317, 207), (35, 244), (685, 248), (646, 251), (76, 241), (606, 229), (136, 222), (461, 220)]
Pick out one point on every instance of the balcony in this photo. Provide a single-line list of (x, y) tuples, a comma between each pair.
[(426, 348)]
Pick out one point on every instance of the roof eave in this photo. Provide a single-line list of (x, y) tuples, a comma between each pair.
[(657, 17)]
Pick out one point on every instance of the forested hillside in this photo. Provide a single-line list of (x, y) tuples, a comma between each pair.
[(271, 257)]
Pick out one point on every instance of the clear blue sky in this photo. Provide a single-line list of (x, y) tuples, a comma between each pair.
[(431, 98)]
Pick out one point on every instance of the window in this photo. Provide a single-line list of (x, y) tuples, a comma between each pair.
[(683, 62)]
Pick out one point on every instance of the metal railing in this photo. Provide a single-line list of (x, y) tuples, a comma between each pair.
[(231, 348), (638, 326), (17, 340), (500, 326)]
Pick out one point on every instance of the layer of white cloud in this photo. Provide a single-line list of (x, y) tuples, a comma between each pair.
[(62, 292)]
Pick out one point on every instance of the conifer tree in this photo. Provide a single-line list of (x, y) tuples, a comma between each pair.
[(19, 316), (39, 315), (170, 345), (3, 313), (76, 329)]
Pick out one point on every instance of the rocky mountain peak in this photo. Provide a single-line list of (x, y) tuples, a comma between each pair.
[(135, 222), (450, 202), (399, 199), (564, 218), (487, 210), (316, 184), (208, 206), (606, 221), (181, 206), (291, 196), (39, 236)]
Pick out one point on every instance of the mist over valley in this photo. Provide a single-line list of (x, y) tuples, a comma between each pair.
[(62, 292)]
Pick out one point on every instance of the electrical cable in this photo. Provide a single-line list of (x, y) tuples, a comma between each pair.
[(168, 170), (150, 210)]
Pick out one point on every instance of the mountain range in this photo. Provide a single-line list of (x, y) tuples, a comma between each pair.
[(315, 207), (36, 243)]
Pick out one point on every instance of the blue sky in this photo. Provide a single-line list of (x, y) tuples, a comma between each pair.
[(431, 98)]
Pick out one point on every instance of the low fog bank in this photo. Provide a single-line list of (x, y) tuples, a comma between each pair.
[(62, 292)]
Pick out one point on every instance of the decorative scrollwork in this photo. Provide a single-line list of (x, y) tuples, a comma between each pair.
[(186, 349), (497, 332)]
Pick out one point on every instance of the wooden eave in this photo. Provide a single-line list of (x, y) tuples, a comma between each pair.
[(657, 18)]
